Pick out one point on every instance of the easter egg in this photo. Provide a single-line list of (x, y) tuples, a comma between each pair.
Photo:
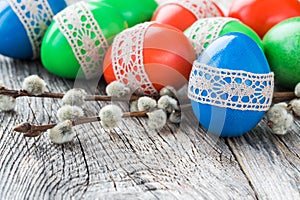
[(78, 38), (23, 24), (183, 13), (149, 56), (206, 30), (263, 14), (231, 85), (133, 11), (282, 48)]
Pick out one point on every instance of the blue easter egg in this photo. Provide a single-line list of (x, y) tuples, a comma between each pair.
[(23, 24), (231, 85)]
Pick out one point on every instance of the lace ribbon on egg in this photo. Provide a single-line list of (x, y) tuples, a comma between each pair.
[(35, 16), (85, 37), (235, 89), (204, 31), (199, 8), (127, 59)]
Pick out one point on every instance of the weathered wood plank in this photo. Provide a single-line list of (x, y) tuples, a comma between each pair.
[(128, 161), (271, 163), (132, 162)]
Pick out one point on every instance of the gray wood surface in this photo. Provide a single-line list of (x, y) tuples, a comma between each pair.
[(132, 162)]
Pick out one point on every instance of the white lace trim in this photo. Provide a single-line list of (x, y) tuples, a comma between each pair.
[(85, 37), (204, 31), (127, 59), (35, 16), (236, 89), (199, 8)]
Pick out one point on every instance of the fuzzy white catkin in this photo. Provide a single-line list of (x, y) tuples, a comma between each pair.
[(282, 104), (134, 106), (281, 119), (283, 128), (279, 130), (146, 103), (297, 90), (117, 89), (110, 116), (1, 85), (157, 119), (295, 104), (167, 103), (7, 103), (277, 113), (169, 91), (75, 97), (62, 133), (68, 112), (34, 85)]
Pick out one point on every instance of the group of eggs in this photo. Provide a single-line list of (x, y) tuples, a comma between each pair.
[(148, 45)]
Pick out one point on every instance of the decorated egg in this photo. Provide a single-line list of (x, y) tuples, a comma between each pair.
[(263, 14), (282, 48), (206, 30), (78, 38), (231, 85), (183, 13), (133, 11), (23, 24), (149, 56)]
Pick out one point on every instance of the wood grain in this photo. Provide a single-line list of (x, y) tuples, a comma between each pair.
[(178, 162), (132, 162)]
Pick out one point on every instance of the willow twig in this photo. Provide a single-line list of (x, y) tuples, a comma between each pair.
[(283, 96), (32, 130), (277, 96), (23, 93)]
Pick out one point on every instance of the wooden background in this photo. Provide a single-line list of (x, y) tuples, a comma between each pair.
[(178, 162), (132, 162)]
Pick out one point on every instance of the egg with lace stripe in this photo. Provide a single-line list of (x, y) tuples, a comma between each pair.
[(183, 13), (206, 30), (23, 24), (149, 56), (78, 38), (231, 85)]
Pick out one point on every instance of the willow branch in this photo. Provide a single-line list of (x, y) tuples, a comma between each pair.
[(277, 96), (23, 93), (283, 96), (32, 130)]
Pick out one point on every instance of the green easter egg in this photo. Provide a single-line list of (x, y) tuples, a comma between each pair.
[(133, 11), (282, 49), (237, 26), (206, 30), (77, 48)]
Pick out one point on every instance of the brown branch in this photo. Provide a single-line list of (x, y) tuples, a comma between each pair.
[(277, 96), (23, 93), (31, 130), (283, 96)]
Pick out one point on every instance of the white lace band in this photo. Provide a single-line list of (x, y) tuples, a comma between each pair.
[(35, 16), (204, 31), (127, 59), (85, 37), (235, 89), (199, 8)]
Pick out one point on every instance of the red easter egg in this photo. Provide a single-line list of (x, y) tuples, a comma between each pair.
[(149, 56), (261, 15), (183, 13)]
